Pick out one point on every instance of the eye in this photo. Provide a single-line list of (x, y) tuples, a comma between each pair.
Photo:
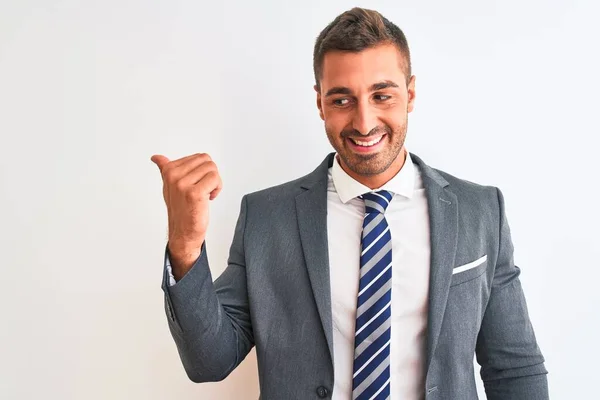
[(382, 97), (340, 102)]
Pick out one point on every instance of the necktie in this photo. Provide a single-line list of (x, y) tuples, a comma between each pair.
[(371, 369)]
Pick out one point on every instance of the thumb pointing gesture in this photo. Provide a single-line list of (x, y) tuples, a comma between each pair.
[(160, 161)]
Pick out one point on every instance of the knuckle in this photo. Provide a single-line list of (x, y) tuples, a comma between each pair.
[(203, 156), (180, 185), (212, 174), (192, 195)]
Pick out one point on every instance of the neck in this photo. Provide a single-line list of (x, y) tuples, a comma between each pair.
[(377, 181)]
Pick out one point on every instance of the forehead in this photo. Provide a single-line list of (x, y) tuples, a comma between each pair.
[(362, 69)]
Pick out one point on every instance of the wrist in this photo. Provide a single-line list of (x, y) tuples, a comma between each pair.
[(183, 248), (183, 257)]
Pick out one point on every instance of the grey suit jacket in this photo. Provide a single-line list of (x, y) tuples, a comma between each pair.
[(275, 295)]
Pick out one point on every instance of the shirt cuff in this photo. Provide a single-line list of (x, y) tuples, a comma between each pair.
[(172, 280)]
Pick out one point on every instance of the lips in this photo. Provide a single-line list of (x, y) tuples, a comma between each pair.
[(372, 144), (367, 142)]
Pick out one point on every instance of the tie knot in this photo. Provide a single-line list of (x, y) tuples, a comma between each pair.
[(377, 201)]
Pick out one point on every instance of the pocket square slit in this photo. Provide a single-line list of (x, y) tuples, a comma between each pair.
[(470, 265)]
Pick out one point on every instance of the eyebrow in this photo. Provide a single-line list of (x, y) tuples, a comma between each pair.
[(382, 85), (374, 87)]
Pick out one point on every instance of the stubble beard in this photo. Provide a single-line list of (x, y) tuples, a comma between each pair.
[(370, 164)]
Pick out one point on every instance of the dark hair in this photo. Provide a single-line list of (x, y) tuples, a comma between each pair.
[(356, 30)]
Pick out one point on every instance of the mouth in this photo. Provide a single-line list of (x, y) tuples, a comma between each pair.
[(364, 146)]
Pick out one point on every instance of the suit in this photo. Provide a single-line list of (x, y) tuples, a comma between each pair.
[(275, 295)]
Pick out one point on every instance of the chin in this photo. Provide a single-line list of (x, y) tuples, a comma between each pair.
[(367, 165)]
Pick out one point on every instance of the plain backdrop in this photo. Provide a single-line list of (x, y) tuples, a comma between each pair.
[(507, 95)]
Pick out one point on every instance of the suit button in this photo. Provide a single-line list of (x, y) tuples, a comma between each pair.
[(322, 392)]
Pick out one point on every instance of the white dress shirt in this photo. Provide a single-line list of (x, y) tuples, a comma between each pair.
[(408, 219)]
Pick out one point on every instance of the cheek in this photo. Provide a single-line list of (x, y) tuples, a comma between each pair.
[(394, 117), (335, 121)]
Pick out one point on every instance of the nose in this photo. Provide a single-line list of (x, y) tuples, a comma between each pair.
[(364, 119)]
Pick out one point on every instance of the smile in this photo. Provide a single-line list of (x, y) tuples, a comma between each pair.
[(367, 144)]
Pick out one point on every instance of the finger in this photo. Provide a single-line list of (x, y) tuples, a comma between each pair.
[(179, 168), (160, 161), (209, 183), (197, 174), (183, 160), (215, 193)]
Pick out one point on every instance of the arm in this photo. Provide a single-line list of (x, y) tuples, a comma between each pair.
[(211, 323), (512, 365)]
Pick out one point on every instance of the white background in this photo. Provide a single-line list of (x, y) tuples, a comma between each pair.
[(507, 95)]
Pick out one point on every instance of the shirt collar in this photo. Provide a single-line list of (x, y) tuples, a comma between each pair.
[(348, 188)]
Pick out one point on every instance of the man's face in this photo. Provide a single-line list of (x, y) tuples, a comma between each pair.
[(364, 101)]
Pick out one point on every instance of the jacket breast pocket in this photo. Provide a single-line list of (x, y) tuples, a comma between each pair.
[(471, 270)]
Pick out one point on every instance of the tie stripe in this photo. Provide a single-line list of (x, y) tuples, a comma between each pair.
[(385, 252), (369, 324), (376, 333), (371, 376), (371, 221), (371, 249), (376, 289), (371, 364)]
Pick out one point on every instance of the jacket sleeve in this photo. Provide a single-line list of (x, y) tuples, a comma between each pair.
[(512, 365), (210, 322)]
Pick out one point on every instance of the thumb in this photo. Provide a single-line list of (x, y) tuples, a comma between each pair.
[(160, 161)]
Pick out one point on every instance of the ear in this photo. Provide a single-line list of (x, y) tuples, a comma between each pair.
[(411, 94), (319, 105)]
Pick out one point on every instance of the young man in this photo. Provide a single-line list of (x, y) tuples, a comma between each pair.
[(373, 277)]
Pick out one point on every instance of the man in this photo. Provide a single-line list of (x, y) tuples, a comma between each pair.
[(373, 277)]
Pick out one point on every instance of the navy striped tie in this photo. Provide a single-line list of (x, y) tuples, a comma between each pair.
[(371, 372)]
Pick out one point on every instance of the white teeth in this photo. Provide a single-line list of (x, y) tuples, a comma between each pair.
[(367, 144)]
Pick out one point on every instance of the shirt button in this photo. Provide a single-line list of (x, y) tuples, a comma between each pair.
[(322, 392)]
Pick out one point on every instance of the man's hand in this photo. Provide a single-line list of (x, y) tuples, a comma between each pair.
[(189, 184)]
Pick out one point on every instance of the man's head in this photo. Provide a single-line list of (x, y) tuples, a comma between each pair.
[(365, 91)]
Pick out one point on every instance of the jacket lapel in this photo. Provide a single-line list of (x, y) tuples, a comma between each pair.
[(311, 208), (443, 220)]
